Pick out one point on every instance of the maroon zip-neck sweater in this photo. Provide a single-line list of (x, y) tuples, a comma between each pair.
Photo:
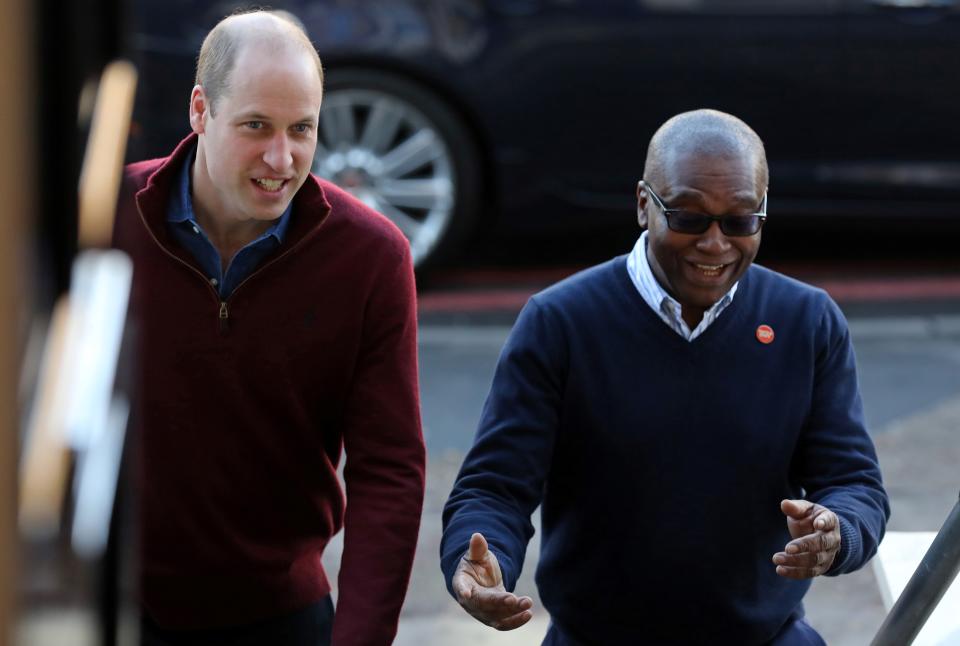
[(243, 407)]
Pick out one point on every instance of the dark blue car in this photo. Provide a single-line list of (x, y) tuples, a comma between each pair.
[(533, 115)]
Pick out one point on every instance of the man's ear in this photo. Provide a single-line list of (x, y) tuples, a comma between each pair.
[(641, 204), (199, 108)]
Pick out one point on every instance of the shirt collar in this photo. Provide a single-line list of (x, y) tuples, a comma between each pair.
[(181, 204), (654, 293)]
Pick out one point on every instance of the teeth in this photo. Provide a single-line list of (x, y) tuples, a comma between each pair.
[(709, 270), (270, 184)]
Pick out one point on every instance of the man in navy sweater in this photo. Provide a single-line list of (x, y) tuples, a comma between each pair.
[(689, 423)]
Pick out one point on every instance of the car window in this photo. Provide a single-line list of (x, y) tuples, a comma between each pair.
[(754, 7)]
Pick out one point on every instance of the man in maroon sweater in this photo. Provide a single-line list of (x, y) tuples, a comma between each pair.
[(276, 324)]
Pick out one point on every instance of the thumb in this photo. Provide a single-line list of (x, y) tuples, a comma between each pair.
[(796, 509), (478, 547)]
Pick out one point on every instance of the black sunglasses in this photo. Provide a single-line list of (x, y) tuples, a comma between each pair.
[(692, 222)]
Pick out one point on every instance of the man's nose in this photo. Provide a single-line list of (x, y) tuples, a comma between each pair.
[(713, 240), (278, 154)]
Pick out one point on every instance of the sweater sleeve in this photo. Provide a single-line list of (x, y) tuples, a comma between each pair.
[(502, 478), (836, 462), (384, 471)]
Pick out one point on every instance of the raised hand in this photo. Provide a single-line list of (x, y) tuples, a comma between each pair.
[(816, 540), (478, 585)]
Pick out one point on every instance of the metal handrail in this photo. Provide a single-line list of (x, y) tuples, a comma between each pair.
[(926, 587)]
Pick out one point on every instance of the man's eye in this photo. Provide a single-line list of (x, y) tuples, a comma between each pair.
[(255, 125), (302, 128)]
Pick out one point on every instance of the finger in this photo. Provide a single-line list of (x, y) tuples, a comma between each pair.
[(796, 509), (815, 542), (462, 587), (831, 541), (478, 547), (825, 520), (494, 603), (804, 560), (825, 541), (514, 621)]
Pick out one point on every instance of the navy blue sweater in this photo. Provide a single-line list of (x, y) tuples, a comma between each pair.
[(660, 463)]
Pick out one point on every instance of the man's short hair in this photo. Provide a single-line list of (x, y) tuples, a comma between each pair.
[(709, 132), (218, 53)]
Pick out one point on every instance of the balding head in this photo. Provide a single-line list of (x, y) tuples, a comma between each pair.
[(273, 31), (708, 133)]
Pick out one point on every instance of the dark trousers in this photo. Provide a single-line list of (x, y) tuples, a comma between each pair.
[(310, 626), (796, 632)]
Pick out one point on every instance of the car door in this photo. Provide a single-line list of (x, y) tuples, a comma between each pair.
[(900, 103), (596, 78)]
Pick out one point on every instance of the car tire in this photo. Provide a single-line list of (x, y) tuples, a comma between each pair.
[(400, 149)]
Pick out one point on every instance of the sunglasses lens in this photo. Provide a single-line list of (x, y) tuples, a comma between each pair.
[(740, 225), (691, 222), (688, 222)]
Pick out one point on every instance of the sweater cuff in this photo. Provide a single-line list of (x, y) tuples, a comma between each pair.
[(850, 546)]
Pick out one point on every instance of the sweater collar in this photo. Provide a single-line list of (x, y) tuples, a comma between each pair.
[(310, 205), (661, 302)]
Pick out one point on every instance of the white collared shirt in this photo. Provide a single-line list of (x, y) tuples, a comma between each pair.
[(661, 302)]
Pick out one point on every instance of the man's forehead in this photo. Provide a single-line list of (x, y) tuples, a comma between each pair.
[(270, 53), (695, 176), (259, 71), (681, 166)]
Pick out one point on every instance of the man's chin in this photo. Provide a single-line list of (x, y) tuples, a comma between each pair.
[(266, 213), (270, 216)]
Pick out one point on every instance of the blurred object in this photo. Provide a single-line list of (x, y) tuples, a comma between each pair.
[(84, 341), (76, 412), (46, 458), (103, 161), (96, 484), (77, 425), (917, 599), (18, 213), (63, 47), (74, 41)]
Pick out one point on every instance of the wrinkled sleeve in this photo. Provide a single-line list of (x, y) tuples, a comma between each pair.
[(836, 462), (502, 478), (384, 471)]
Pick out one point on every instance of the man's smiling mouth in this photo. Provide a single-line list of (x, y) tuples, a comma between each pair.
[(710, 270), (272, 185)]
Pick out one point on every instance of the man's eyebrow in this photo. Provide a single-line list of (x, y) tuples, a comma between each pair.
[(748, 200), (257, 116), (685, 194), (252, 116)]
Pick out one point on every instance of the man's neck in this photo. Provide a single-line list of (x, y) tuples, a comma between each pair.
[(691, 315), (227, 235)]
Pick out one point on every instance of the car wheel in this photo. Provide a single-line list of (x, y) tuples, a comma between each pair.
[(400, 150)]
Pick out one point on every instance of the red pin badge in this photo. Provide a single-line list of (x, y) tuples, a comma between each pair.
[(765, 334)]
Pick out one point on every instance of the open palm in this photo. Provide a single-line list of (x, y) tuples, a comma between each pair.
[(478, 585)]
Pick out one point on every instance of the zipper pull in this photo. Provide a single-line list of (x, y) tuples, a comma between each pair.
[(224, 315)]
